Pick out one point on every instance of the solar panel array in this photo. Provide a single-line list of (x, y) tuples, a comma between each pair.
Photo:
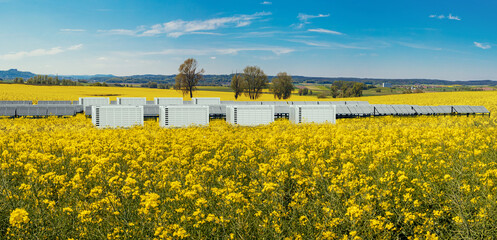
[(344, 109)]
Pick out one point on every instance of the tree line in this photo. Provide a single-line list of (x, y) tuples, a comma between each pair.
[(250, 83), (47, 80)]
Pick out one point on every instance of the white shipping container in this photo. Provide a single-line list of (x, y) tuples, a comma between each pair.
[(132, 101), (206, 101), (168, 101), (116, 116), (313, 113), (94, 101), (183, 116), (250, 115)]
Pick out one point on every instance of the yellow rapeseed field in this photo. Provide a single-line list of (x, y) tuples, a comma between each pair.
[(363, 178), (36, 93)]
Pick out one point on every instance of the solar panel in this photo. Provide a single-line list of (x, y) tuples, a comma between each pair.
[(151, 110), (366, 109), (8, 111), (408, 109), (398, 109), (391, 110), (17, 102), (445, 109), (31, 110), (382, 110), (187, 102), (88, 110), (78, 108), (480, 109), (274, 103), (461, 109), (362, 102), (54, 102), (311, 102), (342, 110), (282, 109), (216, 109), (297, 103), (61, 110), (354, 110), (150, 102), (469, 109), (419, 110), (228, 102)]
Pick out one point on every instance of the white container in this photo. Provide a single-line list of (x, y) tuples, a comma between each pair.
[(206, 101), (250, 115), (132, 101), (168, 101), (116, 116), (313, 113), (183, 116), (94, 101)]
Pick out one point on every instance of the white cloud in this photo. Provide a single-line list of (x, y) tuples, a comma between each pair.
[(72, 30), (75, 47), (304, 19), (419, 46), (213, 58), (212, 51), (39, 52), (451, 17), (120, 32), (330, 45), (177, 28), (311, 43), (266, 3), (441, 16), (482, 45), (321, 30)]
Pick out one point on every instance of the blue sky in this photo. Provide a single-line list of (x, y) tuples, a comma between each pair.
[(449, 39)]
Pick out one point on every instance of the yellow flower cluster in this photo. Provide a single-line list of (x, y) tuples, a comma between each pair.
[(18, 217), (383, 177), (363, 178)]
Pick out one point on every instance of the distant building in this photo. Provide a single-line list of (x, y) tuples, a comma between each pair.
[(389, 85)]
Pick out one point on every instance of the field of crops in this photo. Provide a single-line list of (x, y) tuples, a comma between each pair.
[(364, 178)]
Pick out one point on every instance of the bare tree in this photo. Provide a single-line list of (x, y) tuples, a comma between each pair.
[(282, 86), (254, 80), (188, 77), (237, 85)]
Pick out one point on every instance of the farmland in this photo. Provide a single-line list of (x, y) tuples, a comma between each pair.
[(365, 178)]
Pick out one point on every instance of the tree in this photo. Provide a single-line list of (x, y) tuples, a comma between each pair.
[(334, 91), (357, 89), (237, 85), (188, 77), (254, 80), (282, 86)]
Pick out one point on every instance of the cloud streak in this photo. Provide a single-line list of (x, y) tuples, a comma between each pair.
[(449, 17), (72, 30), (330, 45), (178, 28), (212, 51), (482, 45), (418, 46), (321, 30), (304, 19), (39, 52), (266, 3)]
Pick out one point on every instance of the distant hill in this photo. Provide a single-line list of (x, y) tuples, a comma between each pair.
[(13, 73), (225, 79)]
